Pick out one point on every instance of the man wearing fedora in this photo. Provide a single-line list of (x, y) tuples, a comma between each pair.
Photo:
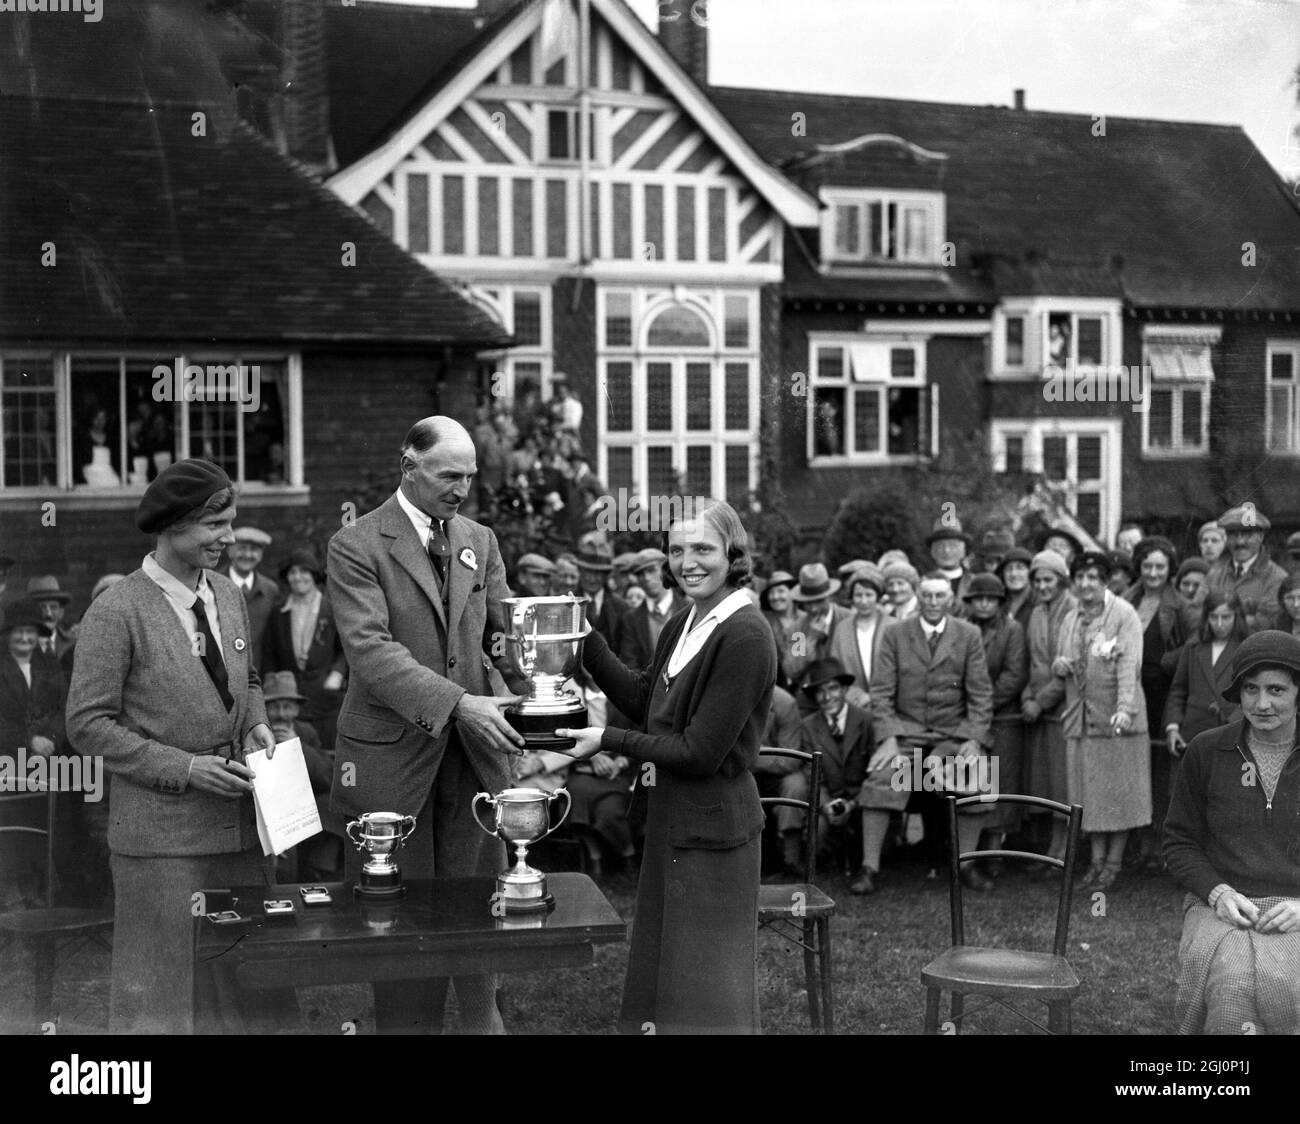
[(163, 689), (642, 626), (948, 545), (841, 733), (417, 591), (931, 681), (810, 639), (1245, 570), (57, 638), (605, 609), (261, 593)]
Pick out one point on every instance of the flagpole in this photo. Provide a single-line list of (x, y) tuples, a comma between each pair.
[(584, 132)]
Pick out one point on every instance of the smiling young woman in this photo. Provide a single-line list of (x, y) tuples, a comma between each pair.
[(699, 712)]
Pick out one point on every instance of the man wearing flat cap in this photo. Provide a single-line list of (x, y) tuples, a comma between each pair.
[(1245, 570), (641, 627), (417, 591), (533, 575), (164, 690), (262, 594)]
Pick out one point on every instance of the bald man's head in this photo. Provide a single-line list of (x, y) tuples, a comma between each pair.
[(430, 431), (438, 466)]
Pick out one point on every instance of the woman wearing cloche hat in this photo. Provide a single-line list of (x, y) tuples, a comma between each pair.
[(1231, 843)]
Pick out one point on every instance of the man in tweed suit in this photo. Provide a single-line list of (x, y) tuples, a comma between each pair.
[(163, 690), (416, 590)]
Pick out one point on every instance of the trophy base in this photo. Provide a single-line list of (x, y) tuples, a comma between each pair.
[(527, 894), (387, 884), (539, 729)]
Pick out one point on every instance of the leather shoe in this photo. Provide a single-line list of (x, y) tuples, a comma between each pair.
[(972, 879), (864, 882)]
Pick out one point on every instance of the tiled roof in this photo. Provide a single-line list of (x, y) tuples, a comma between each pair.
[(1039, 203), (161, 234)]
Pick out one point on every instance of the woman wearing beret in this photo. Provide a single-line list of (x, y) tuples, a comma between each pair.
[(1013, 572), (163, 689), (1232, 840), (302, 638), (1108, 767), (699, 713)]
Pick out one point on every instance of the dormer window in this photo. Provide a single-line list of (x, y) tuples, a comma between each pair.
[(865, 227)]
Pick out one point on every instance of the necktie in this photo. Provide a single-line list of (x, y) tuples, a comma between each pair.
[(1238, 570), (933, 642), (439, 550), (47, 645), (210, 653)]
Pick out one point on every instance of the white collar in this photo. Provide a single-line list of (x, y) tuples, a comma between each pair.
[(692, 638), (422, 523), (664, 605), (933, 629), (243, 583), (174, 588), (1245, 566)]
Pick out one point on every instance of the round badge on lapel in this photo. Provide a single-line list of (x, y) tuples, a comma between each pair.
[(239, 644)]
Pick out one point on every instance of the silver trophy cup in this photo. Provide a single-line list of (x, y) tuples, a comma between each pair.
[(522, 816), (379, 836), (544, 645)]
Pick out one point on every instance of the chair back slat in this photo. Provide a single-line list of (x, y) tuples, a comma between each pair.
[(811, 806), (1073, 814)]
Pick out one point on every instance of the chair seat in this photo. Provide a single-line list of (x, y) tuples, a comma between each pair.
[(974, 970), (778, 900), (34, 922)]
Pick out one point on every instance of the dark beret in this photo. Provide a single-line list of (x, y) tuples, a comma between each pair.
[(1271, 646), (178, 490)]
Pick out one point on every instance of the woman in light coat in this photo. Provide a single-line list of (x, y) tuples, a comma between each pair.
[(1105, 717)]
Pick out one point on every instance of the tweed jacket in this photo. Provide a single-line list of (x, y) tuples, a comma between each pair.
[(844, 762), (844, 647), (948, 693), (1195, 702), (1110, 677), (409, 659), (807, 646), (1256, 589), (35, 711), (1043, 642), (262, 600), (141, 698)]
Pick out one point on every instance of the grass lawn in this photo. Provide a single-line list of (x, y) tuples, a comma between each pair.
[(1124, 947)]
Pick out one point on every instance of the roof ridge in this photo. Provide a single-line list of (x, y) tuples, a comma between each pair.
[(972, 107)]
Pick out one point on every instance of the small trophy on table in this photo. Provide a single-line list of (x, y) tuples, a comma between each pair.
[(522, 816)]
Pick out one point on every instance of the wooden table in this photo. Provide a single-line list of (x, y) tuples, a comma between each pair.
[(441, 927)]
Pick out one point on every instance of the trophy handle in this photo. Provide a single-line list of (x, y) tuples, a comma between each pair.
[(408, 827), (355, 840), (479, 819), (568, 803)]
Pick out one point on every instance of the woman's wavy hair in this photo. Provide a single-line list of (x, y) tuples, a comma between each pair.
[(722, 517), (1150, 545), (1213, 600)]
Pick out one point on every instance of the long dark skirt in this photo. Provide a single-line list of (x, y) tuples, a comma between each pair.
[(691, 969)]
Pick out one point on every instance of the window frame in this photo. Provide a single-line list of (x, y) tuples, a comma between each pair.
[(1037, 312), (927, 397), (1178, 388), (1290, 347), (834, 198), (63, 358)]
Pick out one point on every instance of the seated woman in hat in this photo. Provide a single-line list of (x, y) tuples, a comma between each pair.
[(1233, 845), (302, 638)]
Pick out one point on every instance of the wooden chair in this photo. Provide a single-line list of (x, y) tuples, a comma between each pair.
[(48, 928), (1005, 972), (800, 912)]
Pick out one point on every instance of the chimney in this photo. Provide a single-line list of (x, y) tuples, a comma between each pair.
[(306, 97), (685, 36), (1020, 99)]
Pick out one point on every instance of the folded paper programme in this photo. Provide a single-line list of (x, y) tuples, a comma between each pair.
[(282, 797)]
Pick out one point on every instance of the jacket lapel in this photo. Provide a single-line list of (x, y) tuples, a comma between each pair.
[(407, 552), (1220, 674), (460, 577)]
